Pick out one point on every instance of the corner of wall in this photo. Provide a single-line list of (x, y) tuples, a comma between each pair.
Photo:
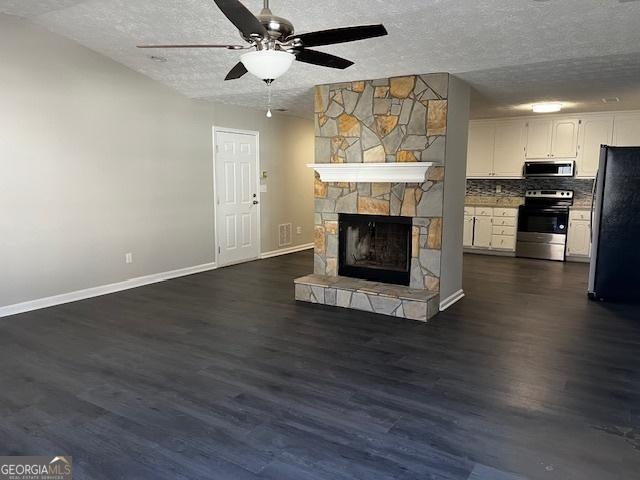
[(454, 189)]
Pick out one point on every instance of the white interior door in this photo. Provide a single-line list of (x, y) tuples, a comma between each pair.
[(236, 194)]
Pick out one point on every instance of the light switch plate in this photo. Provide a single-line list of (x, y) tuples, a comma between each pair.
[(263, 188)]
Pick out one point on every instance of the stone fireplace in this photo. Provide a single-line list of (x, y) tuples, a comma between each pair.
[(379, 243)]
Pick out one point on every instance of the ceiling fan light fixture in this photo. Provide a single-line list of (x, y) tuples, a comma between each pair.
[(547, 107), (268, 64)]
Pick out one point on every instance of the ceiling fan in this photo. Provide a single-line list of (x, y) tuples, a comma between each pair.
[(275, 45)]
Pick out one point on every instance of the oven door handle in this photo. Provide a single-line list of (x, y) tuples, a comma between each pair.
[(545, 210)]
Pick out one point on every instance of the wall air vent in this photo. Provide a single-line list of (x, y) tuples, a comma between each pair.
[(284, 234)]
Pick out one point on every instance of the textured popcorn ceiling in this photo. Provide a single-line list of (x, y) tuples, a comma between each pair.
[(512, 51)]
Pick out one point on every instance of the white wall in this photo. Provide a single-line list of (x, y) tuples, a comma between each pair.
[(454, 188), (97, 160)]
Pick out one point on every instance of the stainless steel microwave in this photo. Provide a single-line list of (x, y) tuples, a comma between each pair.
[(551, 168)]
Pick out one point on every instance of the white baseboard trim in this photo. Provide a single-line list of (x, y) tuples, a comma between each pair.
[(577, 259), (484, 251), (286, 251), (451, 299), (102, 290)]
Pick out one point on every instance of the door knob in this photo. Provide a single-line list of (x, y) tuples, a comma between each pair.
[(256, 202)]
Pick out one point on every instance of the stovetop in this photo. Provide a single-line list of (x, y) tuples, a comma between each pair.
[(548, 198)]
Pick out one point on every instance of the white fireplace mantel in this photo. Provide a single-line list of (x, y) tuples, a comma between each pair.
[(409, 172)]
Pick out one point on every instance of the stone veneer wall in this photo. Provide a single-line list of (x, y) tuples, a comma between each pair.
[(401, 119)]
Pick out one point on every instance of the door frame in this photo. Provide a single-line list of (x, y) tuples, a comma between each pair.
[(215, 130)]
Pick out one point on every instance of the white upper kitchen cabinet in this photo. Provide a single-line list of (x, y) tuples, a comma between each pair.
[(480, 150), (508, 151), (626, 130), (539, 133), (564, 141), (549, 138), (595, 131)]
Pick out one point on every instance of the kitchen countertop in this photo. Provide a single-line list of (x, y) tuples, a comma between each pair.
[(581, 205), (495, 201)]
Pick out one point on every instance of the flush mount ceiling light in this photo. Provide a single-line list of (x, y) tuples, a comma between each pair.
[(267, 64), (547, 107)]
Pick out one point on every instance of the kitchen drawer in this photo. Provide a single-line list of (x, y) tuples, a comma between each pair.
[(504, 221), (580, 215), (503, 242), (505, 212), (510, 231), (470, 211), (484, 211)]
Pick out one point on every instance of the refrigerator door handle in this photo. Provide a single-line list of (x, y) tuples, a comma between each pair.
[(593, 199)]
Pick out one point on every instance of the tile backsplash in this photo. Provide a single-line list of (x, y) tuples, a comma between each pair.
[(516, 188)]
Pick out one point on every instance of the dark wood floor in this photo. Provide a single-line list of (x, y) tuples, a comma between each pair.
[(222, 375)]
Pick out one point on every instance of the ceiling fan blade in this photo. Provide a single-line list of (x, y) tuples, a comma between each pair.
[(228, 47), (340, 35), (236, 72), (323, 59), (242, 18)]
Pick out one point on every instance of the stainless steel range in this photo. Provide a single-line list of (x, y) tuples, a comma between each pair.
[(542, 224)]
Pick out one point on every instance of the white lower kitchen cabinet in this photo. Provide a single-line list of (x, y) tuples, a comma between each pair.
[(482, 232), (503, 242), (490, 230), (579, 235), (467, 237)]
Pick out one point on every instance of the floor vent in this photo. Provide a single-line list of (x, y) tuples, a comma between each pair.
[(284, 237)]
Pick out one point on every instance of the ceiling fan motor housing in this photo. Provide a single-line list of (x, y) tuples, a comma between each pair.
[(278, 28)]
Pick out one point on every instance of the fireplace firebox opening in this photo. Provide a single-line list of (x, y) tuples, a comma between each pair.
[(374, 247)]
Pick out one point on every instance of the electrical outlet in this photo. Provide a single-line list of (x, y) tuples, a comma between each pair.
[(498, 188), (299, 230), (128, 258)]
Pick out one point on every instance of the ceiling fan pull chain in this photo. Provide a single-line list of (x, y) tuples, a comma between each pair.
[(269, 114)]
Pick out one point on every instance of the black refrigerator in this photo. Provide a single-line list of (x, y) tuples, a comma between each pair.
[(614, 273)]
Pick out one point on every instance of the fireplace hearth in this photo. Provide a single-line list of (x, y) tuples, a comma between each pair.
[(376, 248)]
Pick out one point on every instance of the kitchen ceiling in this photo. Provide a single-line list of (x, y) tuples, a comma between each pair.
[(511, 51)]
